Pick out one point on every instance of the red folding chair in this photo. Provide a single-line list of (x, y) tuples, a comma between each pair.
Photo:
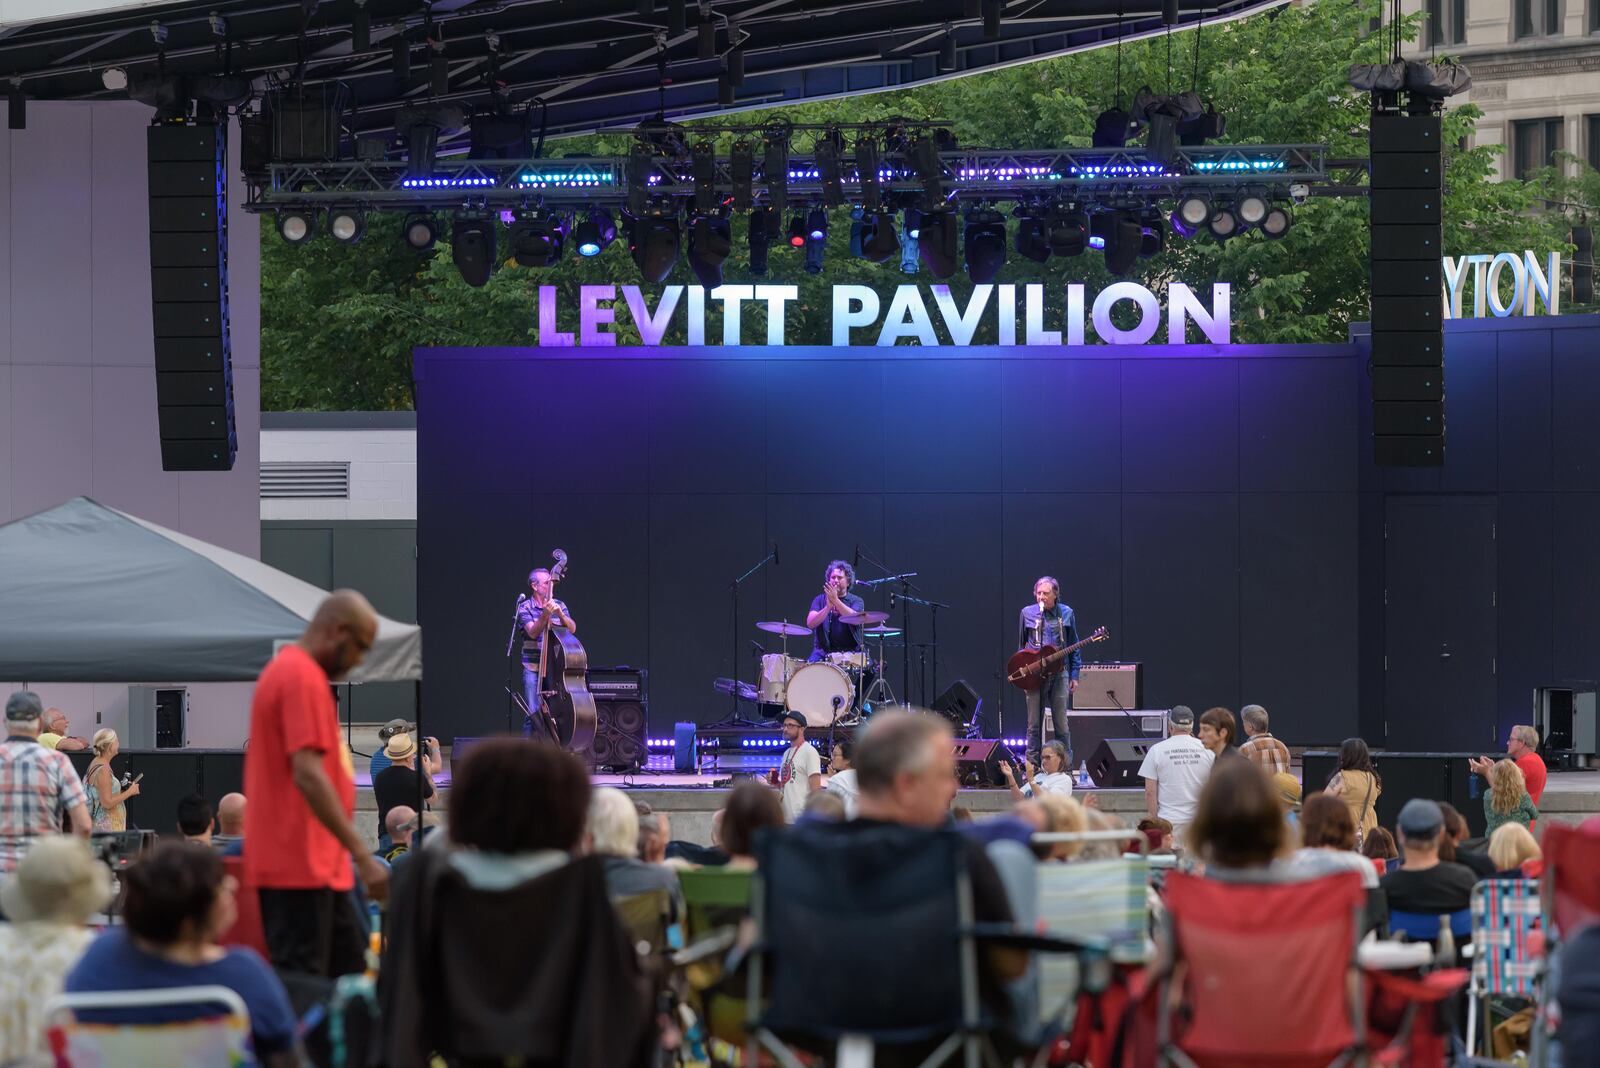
[(1570, 892), (246, 929), (1262, 974)]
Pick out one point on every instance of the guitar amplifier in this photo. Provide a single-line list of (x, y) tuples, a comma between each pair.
[(1099, 683), (616, 684), (621, 726)]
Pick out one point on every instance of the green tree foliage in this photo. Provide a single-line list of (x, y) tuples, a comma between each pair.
[(339, 323)]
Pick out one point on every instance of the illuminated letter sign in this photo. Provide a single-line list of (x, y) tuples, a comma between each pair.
[(861, 316), (1530, 283)]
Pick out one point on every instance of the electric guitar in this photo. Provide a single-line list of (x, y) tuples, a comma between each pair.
[(1028, 668)]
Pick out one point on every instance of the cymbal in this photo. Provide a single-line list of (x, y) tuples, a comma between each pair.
[(882, 632), (870, 618), (793, 630)]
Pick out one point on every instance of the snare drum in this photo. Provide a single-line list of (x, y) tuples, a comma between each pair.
[(856, 661), (814, 688), (776, 671)]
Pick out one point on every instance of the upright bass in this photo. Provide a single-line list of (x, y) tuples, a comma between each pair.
[(566, 707)]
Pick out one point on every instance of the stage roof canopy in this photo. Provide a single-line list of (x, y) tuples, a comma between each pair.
[(91, 594), (580, 65)]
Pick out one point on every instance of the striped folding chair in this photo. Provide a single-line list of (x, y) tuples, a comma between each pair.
[(1505, 913), (1095, 900)]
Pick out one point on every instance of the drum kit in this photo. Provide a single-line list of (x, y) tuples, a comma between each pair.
[(830, 691)]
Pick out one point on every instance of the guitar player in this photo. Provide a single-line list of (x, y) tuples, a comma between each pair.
[(1049, 622), (536, 615)]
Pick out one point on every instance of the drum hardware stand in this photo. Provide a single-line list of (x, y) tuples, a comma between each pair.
[(880, 693), (733, 718), (906, 585), (932, 644)]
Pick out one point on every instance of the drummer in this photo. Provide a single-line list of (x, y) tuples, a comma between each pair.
[(828, 634)]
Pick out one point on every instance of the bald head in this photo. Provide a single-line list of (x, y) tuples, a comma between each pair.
[(399, 824), (230, 815), (342, 630)]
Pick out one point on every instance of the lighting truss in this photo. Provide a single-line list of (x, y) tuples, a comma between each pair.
[(1084, 173)]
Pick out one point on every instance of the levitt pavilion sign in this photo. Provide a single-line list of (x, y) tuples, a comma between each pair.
[(1019, 318)]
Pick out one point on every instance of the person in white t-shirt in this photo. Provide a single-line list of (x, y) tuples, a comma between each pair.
[(1174, 771), (842, 776), (1052, 778), (801, 770)]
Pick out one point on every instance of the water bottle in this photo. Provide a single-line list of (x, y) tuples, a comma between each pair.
[(1083, 773)]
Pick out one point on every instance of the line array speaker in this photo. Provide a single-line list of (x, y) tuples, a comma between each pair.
[(189, 291), (1407, 315)]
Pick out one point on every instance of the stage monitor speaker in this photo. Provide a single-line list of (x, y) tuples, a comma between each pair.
[(1115, 762), (1405, 200), (959, 703), (1108, 685), (978, 761), (621, 720), (188, 184), (1437, 776), (1091, 726)]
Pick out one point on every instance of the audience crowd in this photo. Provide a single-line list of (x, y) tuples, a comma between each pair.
[(496, 937)]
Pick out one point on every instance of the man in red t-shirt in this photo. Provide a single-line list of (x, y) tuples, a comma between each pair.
[(298, 835), (1522, 747)]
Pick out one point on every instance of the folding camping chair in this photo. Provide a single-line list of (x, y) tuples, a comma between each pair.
[(1570, 892), (1280, 989), (889, 912), (208, 1039), (1505, 914)]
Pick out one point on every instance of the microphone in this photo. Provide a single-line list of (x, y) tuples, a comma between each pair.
[(857, 562), (775, 559), (892, 598), (521, 597), (758, 647)]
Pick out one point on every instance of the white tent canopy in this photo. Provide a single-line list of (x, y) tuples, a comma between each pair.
[(91, 594)]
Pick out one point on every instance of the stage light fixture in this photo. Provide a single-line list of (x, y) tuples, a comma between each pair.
[(1222, 223), (741, 167), (985, 244), (1111, 128), (346, 225), (422, 127), (762, 223), (537, 239), (775, 168), (1100, 227), (360, 29), (654, 244), (937, 242), (1124, 241), (1191, 214), (1153, 230), (1277, 222), (816, 225), (472, 247), (1068, 232), (797, 231), (827, 151), (868, 163), (930, 171), (710, 241), (297, 225), (947, 53), (420, 231), (1251, 207), (913, 223), (879, 243), (703, 161), (1033, 242), (591, 236)]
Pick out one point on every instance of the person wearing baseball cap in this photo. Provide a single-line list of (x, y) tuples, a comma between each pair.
[(801, 770), (1174, 771), (380, 760), (1423, 883), (38, 786)]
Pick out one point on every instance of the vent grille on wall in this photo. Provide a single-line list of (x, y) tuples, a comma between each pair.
[(288, 479)]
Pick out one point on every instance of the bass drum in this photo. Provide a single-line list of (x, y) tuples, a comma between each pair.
[(820, 691)]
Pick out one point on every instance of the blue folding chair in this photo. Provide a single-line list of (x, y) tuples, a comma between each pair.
[(1427, 926)]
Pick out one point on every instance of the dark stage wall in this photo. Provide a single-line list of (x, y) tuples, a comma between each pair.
[(1217, 509), (1202, 503)]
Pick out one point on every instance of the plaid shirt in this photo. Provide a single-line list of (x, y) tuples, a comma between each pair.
[(38, 786), (1267, 753)]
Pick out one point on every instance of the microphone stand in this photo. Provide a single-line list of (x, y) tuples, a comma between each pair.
[(511, 690), (733, 718), (933, 641), (1138, 728)]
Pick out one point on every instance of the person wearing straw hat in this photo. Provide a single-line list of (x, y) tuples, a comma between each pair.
[(399, 783), (56, 887)]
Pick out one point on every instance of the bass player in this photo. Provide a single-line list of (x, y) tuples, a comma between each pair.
[(536, 615), (1049, 622)]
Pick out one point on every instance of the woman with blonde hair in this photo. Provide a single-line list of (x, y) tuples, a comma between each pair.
[(106, 802), (1507, 800), (1063, 815), (1515, 853)]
